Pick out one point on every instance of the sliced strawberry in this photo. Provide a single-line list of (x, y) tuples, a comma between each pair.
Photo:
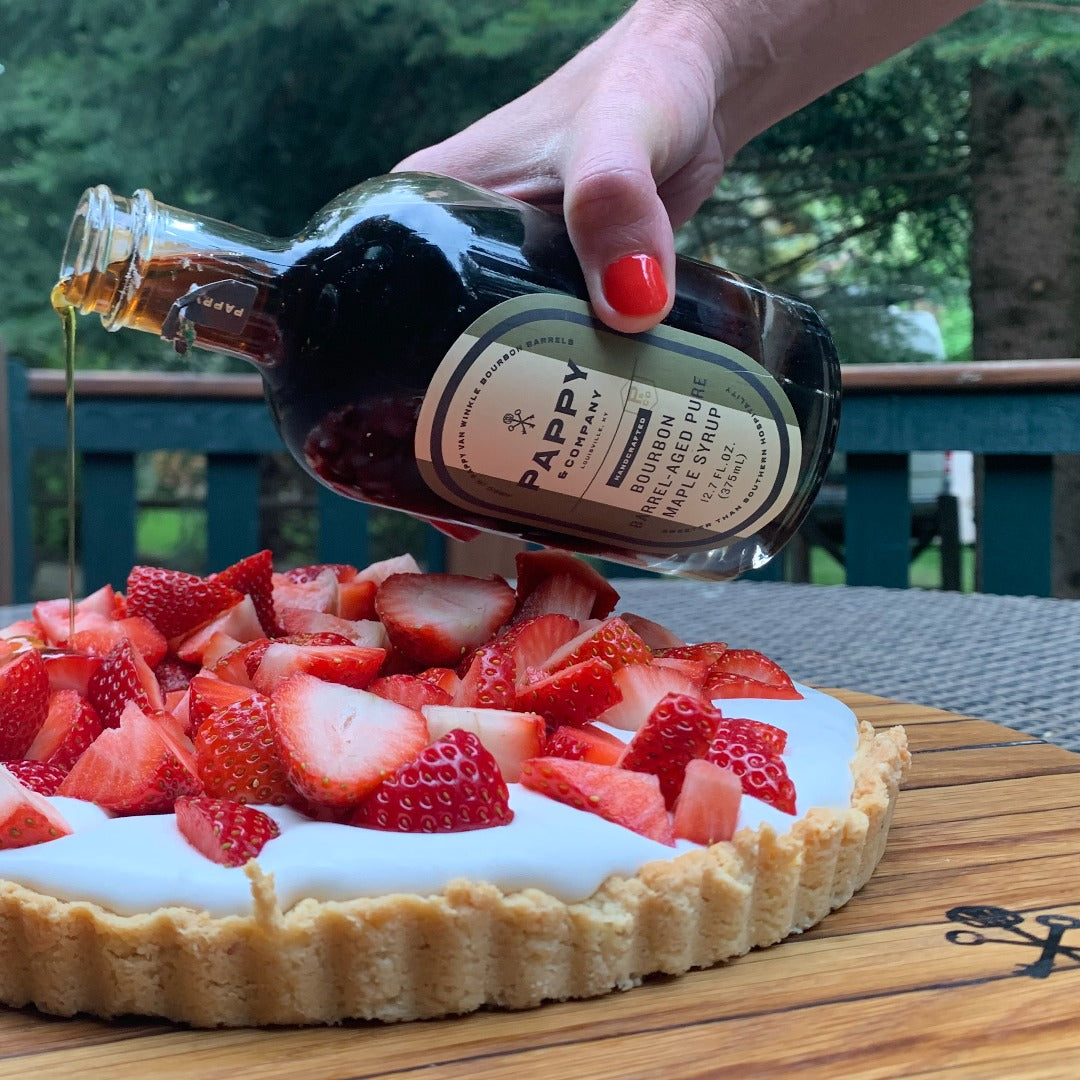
[(222, 830), (770, 736), (561, 594), (36, 775), (586, 742), (136, 768), (725, 685), (97, 635), (54, 616), (762, 771), (70, 726), (320, 593), (489, 679), (410, 690), (207, 694), (654, 634), (641, 687), (707, 651), (350, 665), (572, 695), (70, 671), (611, 641), (122, 676), (534, 568), (534, 640), (697, 671), (239, 622), (513, 737), (453, 785), (237, 758), (630, 799), (680, 728), (439, 618), (750, 664), (24, 701), (338, 743), (26, 817), (368, 633), (443, 677), (176, 602), (173, 674), (707, 809), (24, 631), (380, 571), (356, 599), (300, 575), (253, 576)]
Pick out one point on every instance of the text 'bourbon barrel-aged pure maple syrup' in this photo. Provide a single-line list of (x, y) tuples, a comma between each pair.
[(427, 346)]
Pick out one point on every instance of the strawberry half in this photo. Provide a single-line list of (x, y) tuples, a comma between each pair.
[(237, 758), (409, 690), (436, 619), (337, 742), (24, 702), (630, 799), (224, 831), (71, 725), (680, 728), (453, 785), (25, 816), (176, 602), (641, 686), (586, 742), (139, 767)]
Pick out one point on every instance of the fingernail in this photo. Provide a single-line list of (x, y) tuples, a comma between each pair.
[(634, 285)]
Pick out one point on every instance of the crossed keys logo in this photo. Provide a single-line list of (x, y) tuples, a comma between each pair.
[(516, 422), (1050, 945)]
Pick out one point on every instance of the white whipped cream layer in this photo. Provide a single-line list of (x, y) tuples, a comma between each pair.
[(132, 865)]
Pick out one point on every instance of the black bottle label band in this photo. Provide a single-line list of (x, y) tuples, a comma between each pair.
[(221, 305), (662, 442)]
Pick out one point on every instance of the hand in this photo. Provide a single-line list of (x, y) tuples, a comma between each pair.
[(623, 142)]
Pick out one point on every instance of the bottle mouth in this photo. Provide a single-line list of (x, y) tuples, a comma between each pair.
[(108, 236)]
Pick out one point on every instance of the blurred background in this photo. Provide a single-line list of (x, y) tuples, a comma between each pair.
[(929, 208)]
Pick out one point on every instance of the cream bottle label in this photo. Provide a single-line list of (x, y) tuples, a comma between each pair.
[(664, 441)]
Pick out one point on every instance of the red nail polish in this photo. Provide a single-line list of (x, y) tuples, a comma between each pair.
[(634, 285)]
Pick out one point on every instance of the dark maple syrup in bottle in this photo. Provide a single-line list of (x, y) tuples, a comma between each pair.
[(426, 345)]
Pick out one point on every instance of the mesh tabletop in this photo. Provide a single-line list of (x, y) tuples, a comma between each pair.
[(1007, 659)]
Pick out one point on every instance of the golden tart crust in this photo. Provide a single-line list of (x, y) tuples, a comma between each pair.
[(406, 957)]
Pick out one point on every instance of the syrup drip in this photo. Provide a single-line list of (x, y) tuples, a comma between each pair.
[(67, 319)]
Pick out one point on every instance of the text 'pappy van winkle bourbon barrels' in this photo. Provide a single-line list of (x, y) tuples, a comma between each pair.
[(427, 346)]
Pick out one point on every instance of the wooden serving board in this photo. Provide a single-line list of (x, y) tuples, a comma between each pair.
[(960, 959)]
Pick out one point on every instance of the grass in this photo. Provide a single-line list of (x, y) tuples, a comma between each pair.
[(925, 570), (172, 536)]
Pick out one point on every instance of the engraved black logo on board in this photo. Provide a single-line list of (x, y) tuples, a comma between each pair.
[(1048, 939)]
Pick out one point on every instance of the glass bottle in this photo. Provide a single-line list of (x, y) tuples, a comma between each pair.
[(426, 345)]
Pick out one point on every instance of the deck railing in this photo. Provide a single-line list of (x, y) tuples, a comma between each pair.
[(1015, 415)]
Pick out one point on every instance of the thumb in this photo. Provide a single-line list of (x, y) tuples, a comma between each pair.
[(623, 236)]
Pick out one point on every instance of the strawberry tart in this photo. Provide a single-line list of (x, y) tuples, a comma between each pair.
[(332, 793)]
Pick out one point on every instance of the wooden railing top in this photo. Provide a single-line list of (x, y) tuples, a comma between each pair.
[(1000, 374), (979, 375)]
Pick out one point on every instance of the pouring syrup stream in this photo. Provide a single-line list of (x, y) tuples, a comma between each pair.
[(67, 318)]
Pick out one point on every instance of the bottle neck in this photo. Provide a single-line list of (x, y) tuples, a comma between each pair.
[(140, 264)]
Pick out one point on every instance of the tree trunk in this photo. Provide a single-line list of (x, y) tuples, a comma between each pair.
[(1025, 249)]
